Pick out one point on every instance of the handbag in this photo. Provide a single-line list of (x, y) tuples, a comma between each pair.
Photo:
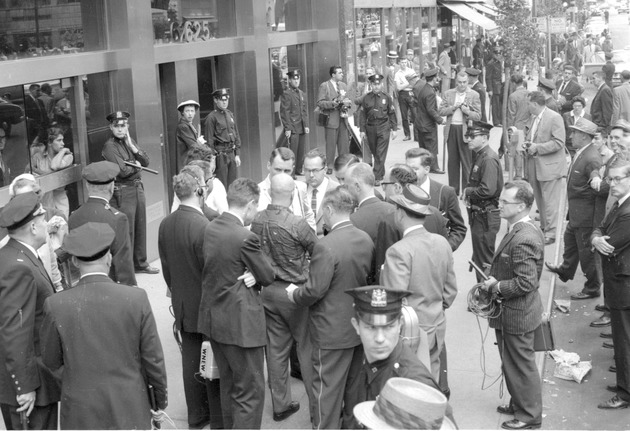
[(544, 338), (322, 119)]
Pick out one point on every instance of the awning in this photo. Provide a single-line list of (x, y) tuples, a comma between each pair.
[(466, 12), (484, 8)]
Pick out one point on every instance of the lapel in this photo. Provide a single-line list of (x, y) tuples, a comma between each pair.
[(574, 162), (506, 240), (611, 217), (33, 259), (192, 127)]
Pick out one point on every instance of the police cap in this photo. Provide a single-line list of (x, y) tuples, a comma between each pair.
[(479, 128), (117, 116), (377, 305), (221, 93), (90, 241), (471, 71), (546, 83), (376, 78), (295, 73), (103, 172), (20, 210), (431, 72)]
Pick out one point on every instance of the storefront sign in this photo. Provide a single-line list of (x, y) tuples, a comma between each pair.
[(191, 31), (557, 25)]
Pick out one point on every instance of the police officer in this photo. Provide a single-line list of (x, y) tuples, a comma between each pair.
[(128, 188), (100, 178), (294, 116), (222, 135), (377, 120), (482, 194)]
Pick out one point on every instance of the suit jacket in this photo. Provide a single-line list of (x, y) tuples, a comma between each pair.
[(446, 108), (293, 110), (24, 286), (582, 198), (325, 97), (571, 90), (180, 245), (105, 337), (481, 91), (518, 109), (602, 106), (319, 217), (494, 81), (229, 311), (98, 210), (341, 260), (621, 103), (422, 263), (517, 264), (616, 268), (445, 199), (550, 159), (370, 214), (187, 135), (427, 117)]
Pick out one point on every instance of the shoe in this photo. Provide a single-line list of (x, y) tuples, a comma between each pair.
[(199, 426), (549, 241), (407, 138), (601, 322), (601, 307), (581, 295), (612, 368), (556, 270), (505, 409), (437, 171), (612, 388), (147, 270), (515, 424), (614, 403), (608, 345), (606, 334), (293, 407)]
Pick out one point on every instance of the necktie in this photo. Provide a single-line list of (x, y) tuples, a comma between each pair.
[(314, 201), (532, 135), (562, 87)]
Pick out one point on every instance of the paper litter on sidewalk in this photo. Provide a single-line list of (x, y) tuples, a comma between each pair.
[(569, 366)]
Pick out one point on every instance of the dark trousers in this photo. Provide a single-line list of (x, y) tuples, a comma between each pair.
[(286, 323), (203, 397), (242, 384), (337, 140), (378, 140), (429, 141), (296, 144), (407, 112), (130, 200), (443, 380), (620, 323), (497, 103), (577, 249), (521, 375), (483, 231), (41, 418), (459, 157), (226, 170), (331, 368)]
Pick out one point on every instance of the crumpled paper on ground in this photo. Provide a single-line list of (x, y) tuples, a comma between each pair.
[(569, 366), (564, 305)]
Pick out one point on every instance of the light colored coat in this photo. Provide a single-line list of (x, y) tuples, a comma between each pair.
[(621, 103), (447, 109), (551, 161)]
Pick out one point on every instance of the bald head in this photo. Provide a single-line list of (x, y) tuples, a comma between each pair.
[(281, 191)]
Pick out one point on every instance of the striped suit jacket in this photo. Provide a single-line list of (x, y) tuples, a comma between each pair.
[(517, 264)]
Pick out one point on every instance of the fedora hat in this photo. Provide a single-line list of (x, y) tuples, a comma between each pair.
[(413, 200), (392, 54), (585, 126), (405, 404)]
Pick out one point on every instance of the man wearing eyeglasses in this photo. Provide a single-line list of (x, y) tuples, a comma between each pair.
[(582, 200), (317, 185)]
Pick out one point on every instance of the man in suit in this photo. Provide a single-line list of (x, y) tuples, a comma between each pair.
[(609, 67), (571, 117), (602, 104), (444, 64), (546, 161), (582, 200), (341, 260), (188, 136), (494, 85), (318, 184), (476, 85), (427, 116), (180, 245), (567, 89), (294, 116), (332, 101), (621, 99), (518, 116), (231, 312), (99, 178), (443, 197), (611, 239), (36, 117), (102, 325), (26, 386), (460, 105), (514, 279), (422, 263)]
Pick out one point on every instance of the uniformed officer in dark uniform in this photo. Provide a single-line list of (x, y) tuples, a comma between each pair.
[(222, 135), (128, 188), (100, 178), (378, 321), (294, 116), (482, 194), (377, 120)]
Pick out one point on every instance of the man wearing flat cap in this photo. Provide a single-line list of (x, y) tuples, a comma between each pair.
[(377, 122), (427, 115), (378, 321), (223, 137), (294, 116), (104, 326), (547, 87), (26, 386), (482, 194), (421, 263), (99, 178), (188, 135), (128, 194), (582, 211)]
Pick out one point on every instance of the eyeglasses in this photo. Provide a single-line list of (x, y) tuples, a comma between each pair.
[(615, 180), (384, 183), (313, 171), (504, 202)]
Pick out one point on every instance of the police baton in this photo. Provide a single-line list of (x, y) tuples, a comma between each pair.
[(24, 420), (152, 171)]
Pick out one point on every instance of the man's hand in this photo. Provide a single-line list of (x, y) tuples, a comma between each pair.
[(287, 133), (248, 278), (307, 130), (393, 135), (596, 183), (489, 93), (601, 244), (465, 109), (26, 402), (201, 140), (131, 145), (237, 160), (488, 284), (290, 289), (532, 149)]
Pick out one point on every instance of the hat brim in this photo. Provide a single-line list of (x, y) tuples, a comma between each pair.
[(182, 105), (583, 131), (412, 207), (364, 413)]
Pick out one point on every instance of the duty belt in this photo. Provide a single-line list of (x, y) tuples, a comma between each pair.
[(128, 183), (379, 122), (227, 149)]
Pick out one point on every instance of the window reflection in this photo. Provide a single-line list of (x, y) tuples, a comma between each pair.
[(288, 15)]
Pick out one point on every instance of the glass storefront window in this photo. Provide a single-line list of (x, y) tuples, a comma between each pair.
[(184, 21), (286, 15), (36, 28), (369, 52)]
